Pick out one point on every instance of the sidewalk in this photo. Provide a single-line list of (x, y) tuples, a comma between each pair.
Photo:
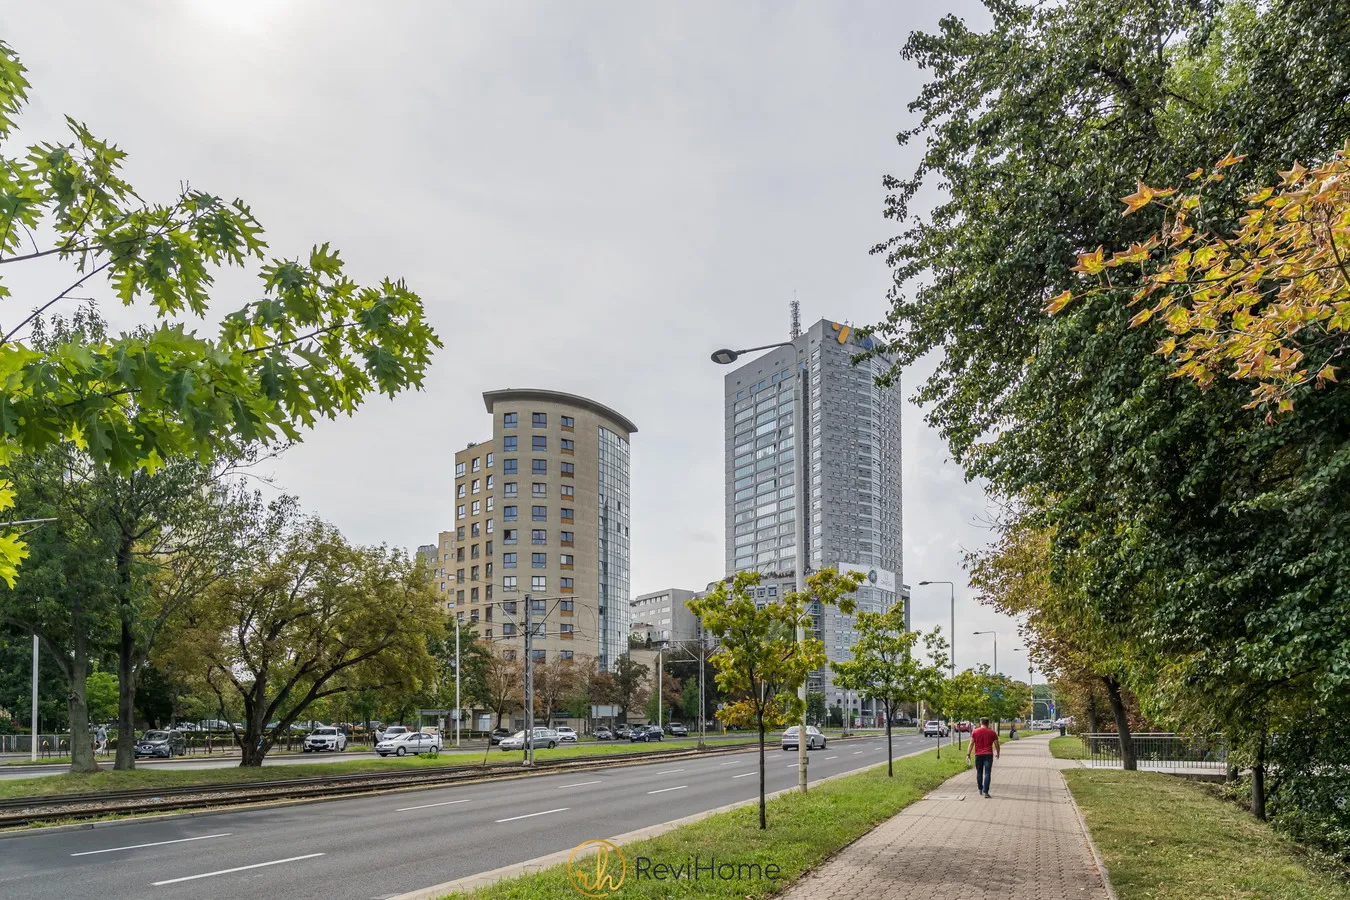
[(1025, 842)]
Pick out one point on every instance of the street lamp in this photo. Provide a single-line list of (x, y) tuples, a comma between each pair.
[(953, 647), (725, 357), (995, 634)]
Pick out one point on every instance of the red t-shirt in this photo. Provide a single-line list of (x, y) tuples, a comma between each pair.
[(982, 739)]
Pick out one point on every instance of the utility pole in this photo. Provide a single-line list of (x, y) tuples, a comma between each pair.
[(529, 682), (459, 710), (32, 749), (660, 722), (799, 490), (702, 716)]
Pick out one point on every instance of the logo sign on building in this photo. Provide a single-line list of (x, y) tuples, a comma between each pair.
[(843, 332), (872, 577)]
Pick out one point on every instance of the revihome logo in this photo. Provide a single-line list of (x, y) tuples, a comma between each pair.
[(697, 868), (600, 870)]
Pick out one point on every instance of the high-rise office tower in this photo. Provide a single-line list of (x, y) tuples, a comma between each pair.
[(853, 495)]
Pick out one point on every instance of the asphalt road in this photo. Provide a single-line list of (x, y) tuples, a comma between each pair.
[(383, 845)]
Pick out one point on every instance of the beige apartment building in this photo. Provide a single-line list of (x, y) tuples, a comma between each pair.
[(541, 513)]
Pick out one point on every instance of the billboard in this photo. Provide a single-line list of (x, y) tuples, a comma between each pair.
[(872, 576)]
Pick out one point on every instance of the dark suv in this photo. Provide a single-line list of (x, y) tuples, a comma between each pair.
[(645, 733), (163, 744), (497, 734)]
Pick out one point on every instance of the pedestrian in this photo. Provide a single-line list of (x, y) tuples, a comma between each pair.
[(984, 746), (101, 739)]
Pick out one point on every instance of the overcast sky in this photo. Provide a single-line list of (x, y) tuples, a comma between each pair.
[(589, 197)]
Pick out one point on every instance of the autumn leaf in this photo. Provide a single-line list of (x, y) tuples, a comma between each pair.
[(1142, 197), (1230, 160), (1090, 263), (1058, 303)]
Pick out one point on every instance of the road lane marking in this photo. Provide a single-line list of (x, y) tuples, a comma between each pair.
[(734, 762), (743, 775), (856, 752), (563, 787), (155, 844), (831, 757), (670, 771), (532, 815), (663, 790), (275, 862), (430, 805)]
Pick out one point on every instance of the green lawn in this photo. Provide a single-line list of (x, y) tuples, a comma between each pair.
[(1166, 838), (1067, 747), (164, 777), (802, 832)]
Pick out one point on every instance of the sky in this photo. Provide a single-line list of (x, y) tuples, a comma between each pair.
[(589, 197)]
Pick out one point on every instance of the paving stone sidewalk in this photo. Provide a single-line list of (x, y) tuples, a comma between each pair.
[(1024, 842)]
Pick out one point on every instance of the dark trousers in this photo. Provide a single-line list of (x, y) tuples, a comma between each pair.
[(984, 767)]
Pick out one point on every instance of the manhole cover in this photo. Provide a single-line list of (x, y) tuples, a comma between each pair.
[(945, 797)]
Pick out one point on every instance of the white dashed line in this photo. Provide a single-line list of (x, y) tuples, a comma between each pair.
[(275, 862), (743, 775), (532, 815), (831, 757), (155, 844), (430, 805), (578, 784), (670, 771), (664, 790)]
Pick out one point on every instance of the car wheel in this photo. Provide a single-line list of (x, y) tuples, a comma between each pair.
[(382, 754), (551, 745), (824, 744), (401, 751)]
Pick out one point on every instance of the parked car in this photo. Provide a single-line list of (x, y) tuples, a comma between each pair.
[(963, 727), (325, 739), (603, 734), (544, 738), (413, 742), (163, 744), (566, 735), (934, 728), (624, 731), (390, 732), (814, 739), (646, 734), (675, 729), (497, 735)]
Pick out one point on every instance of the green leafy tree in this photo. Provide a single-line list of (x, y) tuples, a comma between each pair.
[(815, 707), (314, 345), (886, 668), (100, 688), (630, 683), (503, 683)]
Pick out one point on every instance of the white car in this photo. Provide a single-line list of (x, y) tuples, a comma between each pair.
[(934, 728), (325, 739), (413, 742), (390, 732), (566, 735), (543, 737), (814, 739)]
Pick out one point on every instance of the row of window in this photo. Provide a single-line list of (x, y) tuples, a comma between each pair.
[(476, 508), (509, 536), (537, 655), (538, 467), (538, 443), (537, 583), (538, 513), (539, 560), (474, 466), (538, 420)]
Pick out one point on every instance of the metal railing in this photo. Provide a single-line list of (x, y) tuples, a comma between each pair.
[(1158, 750)]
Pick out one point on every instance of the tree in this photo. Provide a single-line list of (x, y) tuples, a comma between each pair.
[(315, 344), (758, 658), (100, 689), (630, 679), (503, 681), (474, 656), (309, 610), (672, 695), (886, 668), (554, 680)]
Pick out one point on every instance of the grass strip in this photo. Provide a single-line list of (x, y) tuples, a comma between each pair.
[(1167, 838), (162, 777), (1067, 747), (803, 830)]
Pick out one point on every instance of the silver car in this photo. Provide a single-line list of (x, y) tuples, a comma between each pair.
[(814, 739), (543, 738), (413, 742)]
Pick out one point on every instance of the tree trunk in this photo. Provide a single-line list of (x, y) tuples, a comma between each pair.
[(1092, 715), (1128, 761), (763, 823), (890, 760), (251, 751), (126, 662), (1259, 779), (81, 745)]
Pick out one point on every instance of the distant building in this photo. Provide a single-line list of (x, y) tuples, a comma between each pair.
[(663, 617)]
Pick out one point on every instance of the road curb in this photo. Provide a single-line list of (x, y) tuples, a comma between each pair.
[(1087, 838), (531, 866)]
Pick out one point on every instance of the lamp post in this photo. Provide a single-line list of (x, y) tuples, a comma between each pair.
[(725, 357), (995, 634), (33, 741), (953, 647)]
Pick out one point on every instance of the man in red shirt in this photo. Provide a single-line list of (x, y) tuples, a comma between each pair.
[(984, 744)]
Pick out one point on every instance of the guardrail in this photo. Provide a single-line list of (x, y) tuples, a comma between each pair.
[(1164, 750)]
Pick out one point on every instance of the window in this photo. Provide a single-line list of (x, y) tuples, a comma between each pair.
[(539, 606), (488, 634), (509, 488), (459, 596), (473, 529), (489, 526), (487, 572), (489, 464), (509, 444), (473, 552), (459, 470), (508, 630), (539, 443), (539, 489), (489, 483), (488, 549), (566, 606), (569, 445), (539, 583), (539, 536), (564, 630), (567, 512), (509, 606), (539, 420), (538, 655), (568, 423), (473, 598), (539, 513), (539, 466), (473, 573), (459, 492), (459, 512), (509, 513), (568, 470), (459, 617), (475, 465), (565, 655), (459, 576), (477, 507), (538, 560), (566, 560), (568, 491), (489, 504), (459, 533), (509, 466), (508, 420), (566, 538), (566, 585), (487, 614), (508, 560), (508, 536), (459, 555), (509, 583)]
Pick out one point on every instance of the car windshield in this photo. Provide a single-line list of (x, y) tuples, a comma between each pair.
[(328, 731), (155, 736), (519, 734)]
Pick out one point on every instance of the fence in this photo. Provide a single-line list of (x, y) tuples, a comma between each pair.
[(1158, 751)]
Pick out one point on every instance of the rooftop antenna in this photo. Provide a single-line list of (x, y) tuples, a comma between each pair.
[(796, 317)]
